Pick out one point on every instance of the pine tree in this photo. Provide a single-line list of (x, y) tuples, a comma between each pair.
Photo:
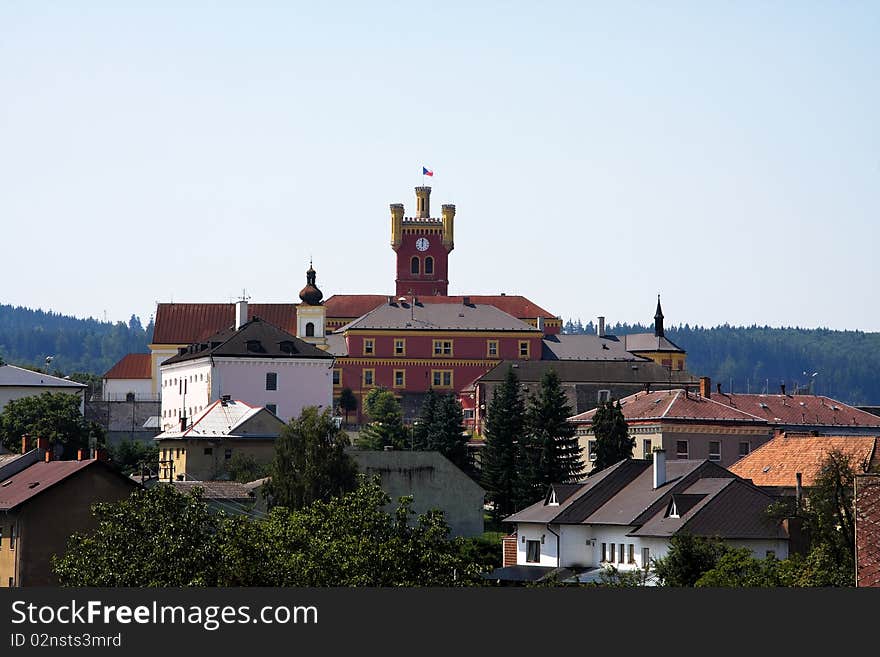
[(550, 447), (611, 433), (386, 428), (425, 421), (449, 438), (504, 425)]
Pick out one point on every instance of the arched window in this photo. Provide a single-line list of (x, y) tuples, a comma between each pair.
[(310, 330), (414, 265), (429, 265)]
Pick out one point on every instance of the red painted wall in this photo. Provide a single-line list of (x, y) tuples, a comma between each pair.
[(422, 283)]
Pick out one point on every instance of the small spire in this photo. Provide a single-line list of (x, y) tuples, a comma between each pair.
[(310, 294), (658, 320)]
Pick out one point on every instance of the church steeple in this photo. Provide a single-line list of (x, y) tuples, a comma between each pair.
[(658, 320), (310, 294)]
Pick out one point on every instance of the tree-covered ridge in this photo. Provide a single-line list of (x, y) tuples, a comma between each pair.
[(28, 336), (759, 358)]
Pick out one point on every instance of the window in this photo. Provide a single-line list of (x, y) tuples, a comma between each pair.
[(468, 413), (399, 378), (631, 553), (337, 377), (272, 408), (666, 362), (1, 536), (620, 554), (492, 348), (12, 537), (604, 396), (441, 378), (400, 347), (604, 552), (369, 377), (591, 449), (646, 558), (523, 348), (429, 265), (681, 449), (442, 347), (369, 346), (533, 551), (611, 547), (209, 451), (11, 582), (271, 381), (646, 448), (744, 449), (414, 265), (310, 329), (714, 450)]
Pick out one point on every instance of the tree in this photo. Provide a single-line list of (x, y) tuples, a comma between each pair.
[(310, 462), (611, 433), (131, 457), (505, 419), (347, 402), (244, 468), (550, 448), (155, 537), (688, 558), (737, 568), (440, 427), (425, 422), (52, 415), (386, 428)]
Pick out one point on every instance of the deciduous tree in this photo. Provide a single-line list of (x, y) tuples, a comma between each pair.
[(52, 415)]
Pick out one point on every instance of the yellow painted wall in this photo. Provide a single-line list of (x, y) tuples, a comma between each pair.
[(679, 361), (7, 556), (190, 459)]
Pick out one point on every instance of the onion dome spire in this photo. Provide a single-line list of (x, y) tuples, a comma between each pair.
[(310, 294)]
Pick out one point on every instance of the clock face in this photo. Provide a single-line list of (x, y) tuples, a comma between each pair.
[(422, 244)]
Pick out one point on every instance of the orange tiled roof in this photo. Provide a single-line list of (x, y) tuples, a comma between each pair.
[(808, 410), (355, 305), (132, 366), (675, 405), (867, 503), (776, 462), (185, 323)]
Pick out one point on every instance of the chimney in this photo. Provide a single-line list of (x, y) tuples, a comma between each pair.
[(466, 301), (782, 388), (601, 329), (659, 467), (798, 490), (48, 456), (182, 423), (43, 444), (540, 323), (718, 388), (240, 313), (705, 387), (79, 454), (24, 443), (100, 454)]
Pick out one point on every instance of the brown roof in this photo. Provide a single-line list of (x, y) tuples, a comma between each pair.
[(185, 323), (650, 342), (586, 347), (216, 490), (132, 366), (592, 371), (804, 410), (867, 522), (775, 462), (355, 305), (675, 405), (33, 480)]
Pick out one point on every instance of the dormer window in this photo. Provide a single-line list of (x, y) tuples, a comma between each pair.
[(254, 346), (672, 511), (553, 501)]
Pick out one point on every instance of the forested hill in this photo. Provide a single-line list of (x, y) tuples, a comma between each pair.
[(28, 336), (759, 358)]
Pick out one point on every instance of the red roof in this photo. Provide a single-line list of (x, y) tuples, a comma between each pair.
[(354, 305), (35, 479), (675, 405), (185, 323), (808, 410), (867, 523), (132, 366)]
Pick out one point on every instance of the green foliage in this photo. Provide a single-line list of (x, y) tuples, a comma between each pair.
[(614, 577), (386, 428), (244, 468), (549, 449), (155, 537), (687, 559), (310, 462), (440, 427), (52, 415), (611, 433), (347, 402), (505, 419), (77, 345), (132, 457), (738, 568), (484, 551)]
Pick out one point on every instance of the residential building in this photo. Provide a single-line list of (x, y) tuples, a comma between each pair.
[(255, 362), (867, 529), (129, 380), (203, 449), (18, 382), (625, 515), (41, 505)]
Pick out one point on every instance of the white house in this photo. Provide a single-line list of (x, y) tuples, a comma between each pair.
[(17, 382), (129, 380), (255, 362), (624, 516)]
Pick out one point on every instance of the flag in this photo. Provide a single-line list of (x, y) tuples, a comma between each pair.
[(427, 172)]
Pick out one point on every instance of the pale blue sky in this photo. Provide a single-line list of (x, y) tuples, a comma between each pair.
[(723, 154)]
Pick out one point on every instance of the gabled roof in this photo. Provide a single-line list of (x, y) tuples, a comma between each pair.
[(225, 419), (41, 476), (255, 339), (637, 342), (185, 323), (674, 404), (355, 305), (586, 347), (595, 371), (215, 490), (132, 366), (438, 317), (803, 410), (776, 462), (13, 376)]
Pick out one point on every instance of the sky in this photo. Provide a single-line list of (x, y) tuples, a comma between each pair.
[(725, 155)]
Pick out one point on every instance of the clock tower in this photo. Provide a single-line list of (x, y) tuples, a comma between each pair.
[(422, 245)]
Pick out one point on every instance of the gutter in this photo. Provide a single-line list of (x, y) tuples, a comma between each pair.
[(558, 553)]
